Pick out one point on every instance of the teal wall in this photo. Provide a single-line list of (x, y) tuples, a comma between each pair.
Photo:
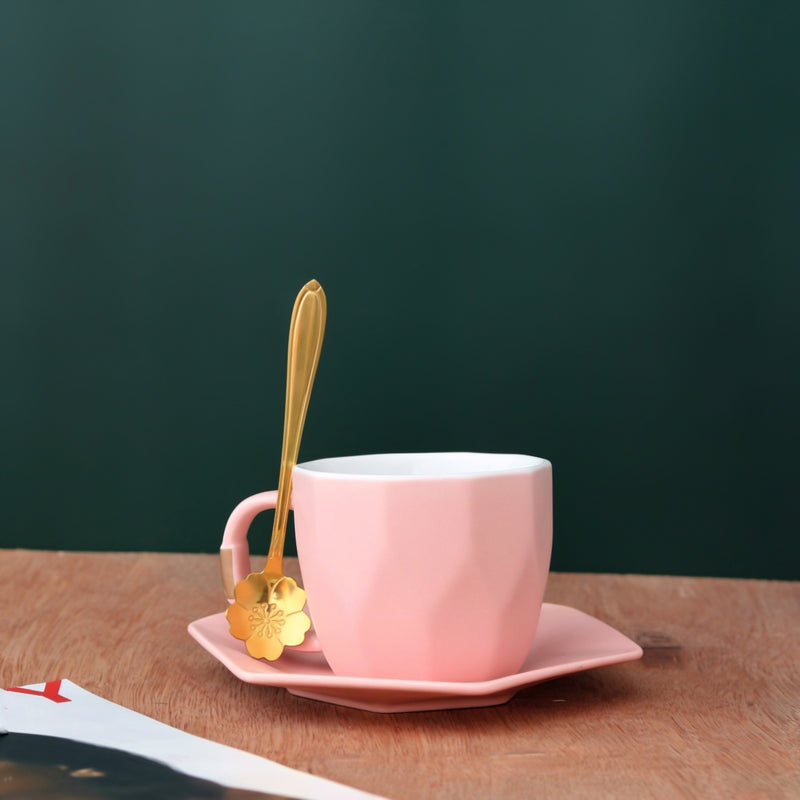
[(566, 229)]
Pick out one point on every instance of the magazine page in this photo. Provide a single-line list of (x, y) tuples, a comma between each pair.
[(58, 740)]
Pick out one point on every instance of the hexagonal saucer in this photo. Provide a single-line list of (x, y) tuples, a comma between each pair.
[(567, 641)]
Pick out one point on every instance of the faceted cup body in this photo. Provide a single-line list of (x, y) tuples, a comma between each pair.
[(427, 566)]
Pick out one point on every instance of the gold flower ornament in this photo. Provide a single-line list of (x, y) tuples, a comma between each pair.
[(268, 614)]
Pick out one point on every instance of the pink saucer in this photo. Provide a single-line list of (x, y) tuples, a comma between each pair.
[(567, 641)]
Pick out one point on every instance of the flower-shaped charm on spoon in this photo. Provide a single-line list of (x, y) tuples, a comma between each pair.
[(268, 614), (268, 609)]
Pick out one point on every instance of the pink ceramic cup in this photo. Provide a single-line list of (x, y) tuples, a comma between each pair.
[(423, 566)]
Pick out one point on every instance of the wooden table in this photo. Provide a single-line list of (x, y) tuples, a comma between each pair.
[(712, 710)]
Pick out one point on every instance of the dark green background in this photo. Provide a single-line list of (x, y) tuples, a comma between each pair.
[(566, 229)]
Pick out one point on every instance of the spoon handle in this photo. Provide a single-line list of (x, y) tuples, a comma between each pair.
[(306, 331)]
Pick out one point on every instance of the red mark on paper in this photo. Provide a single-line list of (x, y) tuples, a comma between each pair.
[(52, 691)]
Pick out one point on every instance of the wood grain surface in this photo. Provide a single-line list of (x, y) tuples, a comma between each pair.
[(712, 710)]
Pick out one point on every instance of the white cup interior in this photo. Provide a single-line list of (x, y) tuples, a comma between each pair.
[(425, 465)]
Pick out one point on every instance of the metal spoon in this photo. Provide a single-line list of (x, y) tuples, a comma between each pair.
[(268, 611)]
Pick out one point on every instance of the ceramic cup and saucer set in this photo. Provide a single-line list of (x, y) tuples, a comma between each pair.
[(424, 577)]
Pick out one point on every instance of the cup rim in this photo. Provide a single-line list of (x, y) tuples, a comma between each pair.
[(495, 464)]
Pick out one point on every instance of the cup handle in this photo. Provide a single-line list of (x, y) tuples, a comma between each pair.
[(234, 553)]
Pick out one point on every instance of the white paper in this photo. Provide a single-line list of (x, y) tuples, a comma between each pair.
[(65, 710)]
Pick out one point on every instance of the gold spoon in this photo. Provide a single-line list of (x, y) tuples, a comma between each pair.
[(268, 609)]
